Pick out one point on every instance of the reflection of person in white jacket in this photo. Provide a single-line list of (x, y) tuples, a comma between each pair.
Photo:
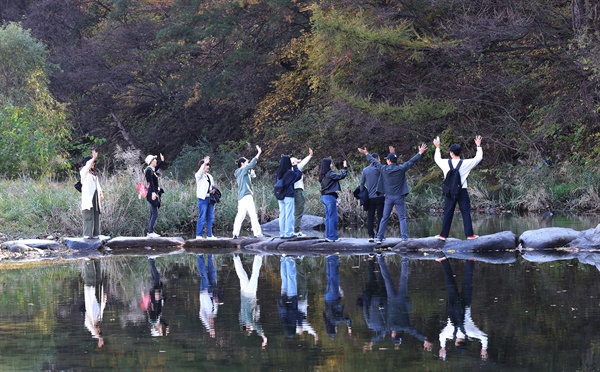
[(95, 299), (91, 194), (249, 308), (460, 326)]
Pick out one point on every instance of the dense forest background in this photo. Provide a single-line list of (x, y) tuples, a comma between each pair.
[(161, 74)]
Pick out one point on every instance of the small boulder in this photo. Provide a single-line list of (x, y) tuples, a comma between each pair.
[(551, 237), (587, 240)]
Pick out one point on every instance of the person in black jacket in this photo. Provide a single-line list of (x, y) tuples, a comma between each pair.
[(154, 191), (330, 185), (289, 174)]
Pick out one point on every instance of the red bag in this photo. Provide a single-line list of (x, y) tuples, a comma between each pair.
[(142, 190)]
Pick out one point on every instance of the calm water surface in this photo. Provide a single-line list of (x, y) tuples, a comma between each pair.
[(359, 313)]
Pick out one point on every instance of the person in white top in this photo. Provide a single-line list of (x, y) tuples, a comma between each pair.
[(205, 185), (299, 199), (464, 203), (91, 193)]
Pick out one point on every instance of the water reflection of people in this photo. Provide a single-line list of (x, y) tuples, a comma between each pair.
[(293, 302), (209, 301), (460, 326), (94, 297), (399, 306), (373, 302), (249, 308), (333, 314), (152, 303)]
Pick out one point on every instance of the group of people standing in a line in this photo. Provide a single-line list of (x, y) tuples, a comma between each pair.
[(385, 185)]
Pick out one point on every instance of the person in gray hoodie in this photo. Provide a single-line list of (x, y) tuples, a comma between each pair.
[(245, 200), (395, 188)]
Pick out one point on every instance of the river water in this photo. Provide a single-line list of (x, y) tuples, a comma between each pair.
[(537, 311)]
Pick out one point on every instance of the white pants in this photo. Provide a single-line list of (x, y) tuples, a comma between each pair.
[(248, 286), (246, 205)]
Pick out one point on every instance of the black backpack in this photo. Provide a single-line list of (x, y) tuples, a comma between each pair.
[(452, 183), (279, 189)]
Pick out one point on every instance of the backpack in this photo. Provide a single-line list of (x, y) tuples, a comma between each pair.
[(78, 185), (279, 189), (142, 189), (452, 183)]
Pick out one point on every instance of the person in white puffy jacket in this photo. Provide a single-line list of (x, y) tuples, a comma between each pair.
[(91, 195)]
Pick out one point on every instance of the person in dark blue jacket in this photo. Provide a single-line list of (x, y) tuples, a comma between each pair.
[(289, 173), (330, 185)]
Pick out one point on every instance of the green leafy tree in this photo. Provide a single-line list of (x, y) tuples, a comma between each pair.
[(33, 130)]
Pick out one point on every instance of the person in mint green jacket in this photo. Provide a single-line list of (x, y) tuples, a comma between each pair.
[(243, 176)]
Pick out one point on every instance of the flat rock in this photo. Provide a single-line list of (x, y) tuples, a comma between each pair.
[(587, 240), (34, 243), (143, 242), (550, 237), (83, 244), (309, 222), (502, 241)]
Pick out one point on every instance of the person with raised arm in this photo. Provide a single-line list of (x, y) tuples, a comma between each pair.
[(464, 202), (299, 199), (91, 195), (395, 188), (243, 176)]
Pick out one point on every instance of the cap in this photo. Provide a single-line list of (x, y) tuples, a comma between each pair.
[(391, 157), (149, 159)]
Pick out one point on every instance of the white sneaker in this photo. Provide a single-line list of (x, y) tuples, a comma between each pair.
[(300, 234), (211, 238), (153, 235), (198, 236)]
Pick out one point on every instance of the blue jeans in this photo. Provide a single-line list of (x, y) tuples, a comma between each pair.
[(286, 217), (331, 216), (289, 285), (153, 217), (332, 291), (390, 202), (206, 216), (208, 278)]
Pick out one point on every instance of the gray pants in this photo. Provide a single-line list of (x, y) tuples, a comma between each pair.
[(298, 208), (91, 218)]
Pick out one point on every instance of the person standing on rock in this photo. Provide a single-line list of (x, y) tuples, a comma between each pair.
[(395, 188), (91, 195), (154, 191), (299, 199), (463, 200), (288, 173), (371, 181), (243, 176), (330, 185), (205, 185)]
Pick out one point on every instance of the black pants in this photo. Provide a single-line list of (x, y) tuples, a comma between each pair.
[(464, 203), (375, 205)]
